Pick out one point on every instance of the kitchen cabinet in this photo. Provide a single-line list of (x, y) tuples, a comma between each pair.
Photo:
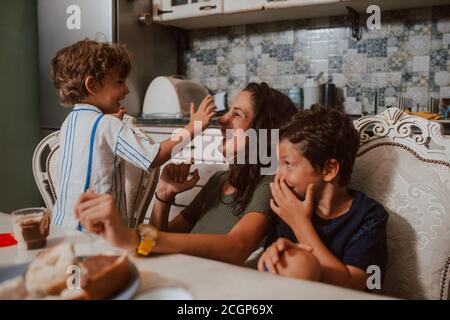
[(230, 6), (295, 3), (167, 10), (240, 12), (233, 6)]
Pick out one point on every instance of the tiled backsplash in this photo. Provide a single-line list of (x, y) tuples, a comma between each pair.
[(409, 56)]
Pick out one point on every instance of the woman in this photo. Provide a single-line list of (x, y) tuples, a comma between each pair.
[(230, 216)]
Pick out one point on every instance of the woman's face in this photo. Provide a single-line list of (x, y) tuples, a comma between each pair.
[(235, 122)]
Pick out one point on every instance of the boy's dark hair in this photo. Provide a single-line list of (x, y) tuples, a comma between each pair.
[(71, 65), (322, 134)]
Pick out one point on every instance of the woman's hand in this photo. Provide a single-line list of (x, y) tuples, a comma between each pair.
[(271, 256), (98, 213), (205, 111), (174, 180), (287, 206)]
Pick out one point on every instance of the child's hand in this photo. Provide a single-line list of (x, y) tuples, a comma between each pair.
[(271, 256), (121, 113), (174, 180), (287, 206), (205, 111)]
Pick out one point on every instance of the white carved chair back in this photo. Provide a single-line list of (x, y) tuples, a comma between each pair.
[(404, 163)]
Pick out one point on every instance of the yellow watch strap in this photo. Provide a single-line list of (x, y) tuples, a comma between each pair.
[(146, 246), (148, 235)]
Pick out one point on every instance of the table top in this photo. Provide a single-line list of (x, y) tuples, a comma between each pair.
[(203, 278)]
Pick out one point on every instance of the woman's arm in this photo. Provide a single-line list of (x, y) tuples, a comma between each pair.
[(173, 180), (160, 218), (98, 214), (234, 247)]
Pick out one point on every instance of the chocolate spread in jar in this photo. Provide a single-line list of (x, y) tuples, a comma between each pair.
[(35, 229)]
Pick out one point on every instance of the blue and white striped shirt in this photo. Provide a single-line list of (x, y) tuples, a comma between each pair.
[(114, 142)]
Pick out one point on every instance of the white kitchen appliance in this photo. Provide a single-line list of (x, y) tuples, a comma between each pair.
[(170, 97)]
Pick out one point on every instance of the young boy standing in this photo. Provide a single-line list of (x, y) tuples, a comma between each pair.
[(91, 77), (341, 232)]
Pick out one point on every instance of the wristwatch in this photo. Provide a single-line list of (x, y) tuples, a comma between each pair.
[(149, 236)]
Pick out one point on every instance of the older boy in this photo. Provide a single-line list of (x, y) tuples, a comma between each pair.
[(341, 231)]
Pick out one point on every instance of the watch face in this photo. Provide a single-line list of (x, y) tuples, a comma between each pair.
[(149, 231)]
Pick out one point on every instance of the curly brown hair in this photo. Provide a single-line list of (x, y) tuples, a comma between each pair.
[(322, 134), (73, 64)]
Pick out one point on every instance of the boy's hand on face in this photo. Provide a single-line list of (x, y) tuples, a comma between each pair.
[(287, 206), (205, 111), (270, 258)]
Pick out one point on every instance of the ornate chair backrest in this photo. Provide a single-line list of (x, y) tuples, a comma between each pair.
[(404, 163), (45, 164)]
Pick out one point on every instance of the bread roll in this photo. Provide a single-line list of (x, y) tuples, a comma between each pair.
[(13, 289), (46, 274)]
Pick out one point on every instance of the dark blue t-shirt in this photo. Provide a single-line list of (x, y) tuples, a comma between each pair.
[(357, 238)]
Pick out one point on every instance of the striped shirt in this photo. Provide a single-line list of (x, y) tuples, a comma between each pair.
[(114, 141)]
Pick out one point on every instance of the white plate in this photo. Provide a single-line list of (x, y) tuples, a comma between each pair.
[(165, 293), (126, 293)]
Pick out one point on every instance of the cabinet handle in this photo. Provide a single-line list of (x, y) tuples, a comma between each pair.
[(275, 0), (161, 12), (208, 7)]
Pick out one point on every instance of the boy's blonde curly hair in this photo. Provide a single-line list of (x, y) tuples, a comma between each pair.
[(73, 64)]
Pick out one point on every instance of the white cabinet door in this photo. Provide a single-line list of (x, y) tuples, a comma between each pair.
[(234, 6), (180, 9), (273, 4)]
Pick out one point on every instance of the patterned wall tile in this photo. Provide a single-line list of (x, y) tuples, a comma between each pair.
[(409, 55), (377, 47), (335, 64), (439, 59)]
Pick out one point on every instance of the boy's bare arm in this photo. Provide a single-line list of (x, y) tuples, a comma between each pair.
[(200, 120), (333, 271), (167, 146)]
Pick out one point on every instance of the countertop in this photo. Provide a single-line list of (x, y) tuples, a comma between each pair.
[(169, 122), (181, 122)]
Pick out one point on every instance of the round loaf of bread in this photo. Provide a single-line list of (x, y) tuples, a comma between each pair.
[(46, 274)]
